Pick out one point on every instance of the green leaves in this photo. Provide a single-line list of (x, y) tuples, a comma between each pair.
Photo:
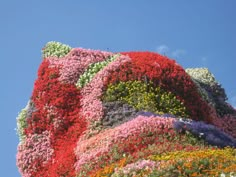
[(94, 68)]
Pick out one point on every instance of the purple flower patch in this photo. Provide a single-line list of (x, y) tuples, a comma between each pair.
[(211, 134)]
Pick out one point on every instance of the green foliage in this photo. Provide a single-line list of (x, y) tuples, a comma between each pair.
[(93, 68), (55, 49), (21, 124), (145, 97)]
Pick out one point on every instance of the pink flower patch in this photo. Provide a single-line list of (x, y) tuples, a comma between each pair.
[(91, 103), (90, 150), (76, 62), (34, 152)]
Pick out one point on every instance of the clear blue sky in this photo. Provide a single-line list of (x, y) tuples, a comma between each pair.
[(196, 33)]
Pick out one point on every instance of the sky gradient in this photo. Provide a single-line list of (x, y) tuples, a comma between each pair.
[(194, 33)]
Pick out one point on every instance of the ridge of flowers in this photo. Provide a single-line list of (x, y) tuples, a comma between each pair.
[(125, 136), (76, 62), (91, 103), (129, 139), (92, 70)]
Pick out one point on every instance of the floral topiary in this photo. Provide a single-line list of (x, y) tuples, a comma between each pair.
[(97, 113)]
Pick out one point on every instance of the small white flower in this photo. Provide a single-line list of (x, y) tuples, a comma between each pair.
[(222, 175)]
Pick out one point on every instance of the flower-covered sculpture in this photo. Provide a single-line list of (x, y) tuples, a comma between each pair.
[(96, 113)]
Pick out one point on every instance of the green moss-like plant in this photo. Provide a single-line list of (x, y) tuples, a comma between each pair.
[(55, 49), (145, 97), (21, 124), (94, 68)]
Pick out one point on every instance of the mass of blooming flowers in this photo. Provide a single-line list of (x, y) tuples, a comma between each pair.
[(132, 114)]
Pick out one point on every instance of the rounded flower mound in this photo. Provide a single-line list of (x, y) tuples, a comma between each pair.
[(96, 113)]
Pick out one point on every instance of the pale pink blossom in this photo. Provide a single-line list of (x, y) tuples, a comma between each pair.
[(35, 148), (139, 165)]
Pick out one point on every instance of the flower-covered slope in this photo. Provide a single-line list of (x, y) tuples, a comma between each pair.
[(96, 113)]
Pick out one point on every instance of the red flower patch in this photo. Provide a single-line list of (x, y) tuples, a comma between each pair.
[(58, 111)]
